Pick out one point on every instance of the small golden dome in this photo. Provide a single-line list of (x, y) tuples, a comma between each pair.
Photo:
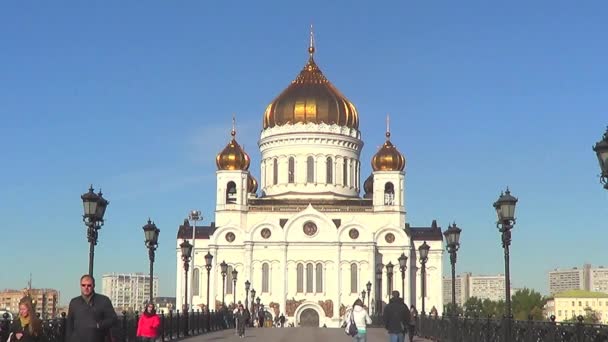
[(252, 184), (388, 158), (311, 98), (232, 156)]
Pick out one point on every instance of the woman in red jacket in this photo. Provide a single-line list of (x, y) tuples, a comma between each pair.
[(147, 328)]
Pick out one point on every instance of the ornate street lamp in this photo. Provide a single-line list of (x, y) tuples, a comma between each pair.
[(452, 239), (378, 294), (402, 267), (151, 234), (369, 289), (252, 307), (94, 210), (363, 296), (505, 211), (424, 257), (186, 248), (247, 287), (224, 270), (235, 274), (208, 266), (601, 149), (194, 216)]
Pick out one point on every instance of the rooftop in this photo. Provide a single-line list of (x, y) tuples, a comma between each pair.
[(580, 294)]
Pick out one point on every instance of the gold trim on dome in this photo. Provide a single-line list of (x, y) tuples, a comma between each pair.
[(233, 157), (311, 98), (388, 158)]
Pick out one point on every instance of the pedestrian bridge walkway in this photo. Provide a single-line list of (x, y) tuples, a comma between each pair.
[(293, 335)]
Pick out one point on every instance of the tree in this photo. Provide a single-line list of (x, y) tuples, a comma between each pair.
[(527, 302), (448, 309), (473, 306)]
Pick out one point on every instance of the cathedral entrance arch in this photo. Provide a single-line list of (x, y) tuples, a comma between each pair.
[(309, 318)]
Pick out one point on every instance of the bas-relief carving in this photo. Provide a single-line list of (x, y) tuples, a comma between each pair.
[(276, 308), (291, 305), (328, 307)]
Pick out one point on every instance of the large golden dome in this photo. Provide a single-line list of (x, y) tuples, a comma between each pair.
[(311, 98), (252, 184), (388, 158), (232, 156)]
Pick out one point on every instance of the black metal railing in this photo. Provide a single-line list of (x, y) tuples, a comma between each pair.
[(489, 329), (172, 326)]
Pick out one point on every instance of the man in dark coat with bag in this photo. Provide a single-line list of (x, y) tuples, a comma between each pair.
[(91, 316)]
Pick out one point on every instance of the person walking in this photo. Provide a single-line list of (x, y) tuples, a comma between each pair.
[(241, 318), (147, 327), (396, 318), (261, 317), (91, 316), (27, 327), (282, 320), (413, 321), (359, 316)]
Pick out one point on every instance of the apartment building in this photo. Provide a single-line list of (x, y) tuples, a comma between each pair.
[(45, 301), (128, 291)]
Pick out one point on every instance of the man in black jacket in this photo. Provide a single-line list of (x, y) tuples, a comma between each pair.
[(90, 315), (396, 318)]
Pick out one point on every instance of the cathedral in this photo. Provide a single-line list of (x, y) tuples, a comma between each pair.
[(304, 238)]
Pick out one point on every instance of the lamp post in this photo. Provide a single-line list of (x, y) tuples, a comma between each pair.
[(208, 266), (94, 209), (378, 295), (224, 269), (452, 238), (424, 257), (186, 248), (403, 267), (247, 286), (601, 149), (505, 211), (363, 296), (369, 289), (151, 234), (194, 216), (252, 307), (389, 278), (235, 274)]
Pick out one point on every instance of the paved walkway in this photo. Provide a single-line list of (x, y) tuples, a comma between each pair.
[(292, 335)]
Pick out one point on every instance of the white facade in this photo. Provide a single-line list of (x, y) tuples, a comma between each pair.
[(128, 291), (309, 243)]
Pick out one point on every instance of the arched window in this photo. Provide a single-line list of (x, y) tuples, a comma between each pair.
[(309, 275), (275, 172), (345, 172), (310, 170), (291, 167), (229, 280), (195, 281), (265, 277), (353, 278), (230, 192), (319, 276), (389, 194), (300, 278), (329, 170)]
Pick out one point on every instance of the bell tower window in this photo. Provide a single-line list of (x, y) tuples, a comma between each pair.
[(275, 172), (291, 170), (310, 170), (389, 194), (230, 193), (329, 170)]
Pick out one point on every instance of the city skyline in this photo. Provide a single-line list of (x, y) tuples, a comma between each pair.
[(138, 100)]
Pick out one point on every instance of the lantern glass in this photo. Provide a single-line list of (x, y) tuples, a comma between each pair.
[(424, 251), (402, 261), (186, 248), (505, 206), (247, 285), (389, 267), (208, 259), (224, 268), (601, 149), (102, 204), (235, 273), (89, 202), (452, 235)]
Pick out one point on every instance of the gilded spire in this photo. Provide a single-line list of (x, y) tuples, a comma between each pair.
[(311, 46), (388, 127), (233, 131)]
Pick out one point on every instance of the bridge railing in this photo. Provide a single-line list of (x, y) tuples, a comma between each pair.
[(489, 329), (173, 326)]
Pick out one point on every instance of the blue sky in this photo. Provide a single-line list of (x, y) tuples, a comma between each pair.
[(137, 97)]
